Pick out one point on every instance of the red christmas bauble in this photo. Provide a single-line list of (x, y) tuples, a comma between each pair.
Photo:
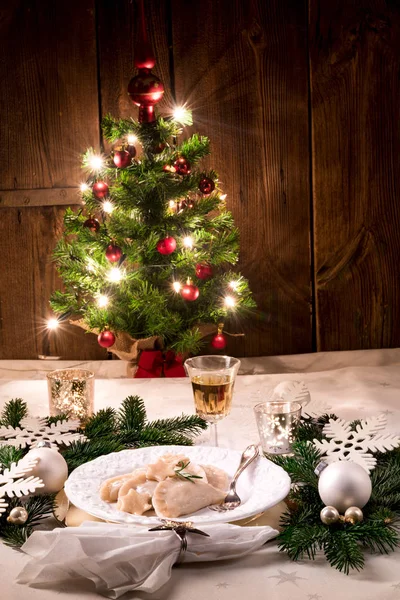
[(122, 159), (145, 91), (106, 339), (218, 341), (167, 245), (182, 166), (92, 224), (190, 292), (100, 189), (132, 151), (158, 148), (203, 271), (206, 185), (113, 253)]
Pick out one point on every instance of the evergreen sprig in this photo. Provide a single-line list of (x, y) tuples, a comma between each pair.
[(343, 544)]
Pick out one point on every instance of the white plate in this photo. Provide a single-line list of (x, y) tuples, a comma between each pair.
[(262, 485)]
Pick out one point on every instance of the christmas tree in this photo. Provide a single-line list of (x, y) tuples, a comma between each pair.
[(150, 253)]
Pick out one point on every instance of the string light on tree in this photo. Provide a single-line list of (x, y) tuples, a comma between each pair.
[(108, 207), (188, 242), (52, 323), (115, 275), (84, 187), (102, 301), (234, 285), (182, 115), (131, 139), (96, 162), (223, 197), (176, 285), (229, 301)]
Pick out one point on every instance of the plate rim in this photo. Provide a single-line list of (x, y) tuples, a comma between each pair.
[(214, 518)]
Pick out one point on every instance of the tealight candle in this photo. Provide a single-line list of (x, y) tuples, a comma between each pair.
[(71, 392), (277, 423)]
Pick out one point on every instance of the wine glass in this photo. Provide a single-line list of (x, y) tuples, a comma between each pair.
[(213, 378)]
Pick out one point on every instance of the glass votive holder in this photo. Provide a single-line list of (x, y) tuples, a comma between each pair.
[(71, 392), (277, 423)]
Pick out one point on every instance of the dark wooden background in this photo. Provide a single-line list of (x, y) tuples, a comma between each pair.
[(301, 100)]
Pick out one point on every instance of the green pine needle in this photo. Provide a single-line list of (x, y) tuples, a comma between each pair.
[(13, 412)]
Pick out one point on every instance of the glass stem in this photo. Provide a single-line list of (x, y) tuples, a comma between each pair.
[(213, 434)]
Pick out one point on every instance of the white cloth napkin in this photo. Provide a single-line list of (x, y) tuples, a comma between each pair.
[(120, 558)]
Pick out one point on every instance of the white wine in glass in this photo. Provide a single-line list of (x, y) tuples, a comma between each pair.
[(213, 379)]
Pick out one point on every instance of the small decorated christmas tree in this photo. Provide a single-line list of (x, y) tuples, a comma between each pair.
[(149, 256)]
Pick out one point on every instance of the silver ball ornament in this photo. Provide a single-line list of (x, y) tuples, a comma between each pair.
[(343, 484), (51, 468), (353, 515), (18, 515), (43, 444), (329, 515)]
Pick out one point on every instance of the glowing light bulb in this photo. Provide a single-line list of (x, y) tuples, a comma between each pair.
[(84, 187), (96, 162), (131, 139), (188, 242), (114, 275), (182, 115), (234, 285), (177, 286), (108, 207), (229, 301), (223, 196), (172, 203), (52, 323), (102, 301)]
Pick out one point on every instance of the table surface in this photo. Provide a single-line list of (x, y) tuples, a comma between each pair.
[(352, 384)]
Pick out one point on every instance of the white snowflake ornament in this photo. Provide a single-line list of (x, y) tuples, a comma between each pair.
[(13, 481), (34, 430), (357, 446)]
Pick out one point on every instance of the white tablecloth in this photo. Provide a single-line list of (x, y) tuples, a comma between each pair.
[(354, 385)]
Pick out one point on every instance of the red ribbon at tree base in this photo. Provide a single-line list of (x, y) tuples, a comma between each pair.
[(154, 363)]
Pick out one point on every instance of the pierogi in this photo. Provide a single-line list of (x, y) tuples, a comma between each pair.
[(173, 486)]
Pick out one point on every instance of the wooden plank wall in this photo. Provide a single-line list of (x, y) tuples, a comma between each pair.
[(300, 99)]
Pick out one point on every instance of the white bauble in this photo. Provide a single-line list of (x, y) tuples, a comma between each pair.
[(343, 484), (51, 468)]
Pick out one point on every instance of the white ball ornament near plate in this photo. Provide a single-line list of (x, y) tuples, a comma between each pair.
[(51, 467), (343, 484)]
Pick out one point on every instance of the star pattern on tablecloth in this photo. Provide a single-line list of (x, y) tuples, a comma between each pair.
[(222, 585), (286, 577), (396, 586)]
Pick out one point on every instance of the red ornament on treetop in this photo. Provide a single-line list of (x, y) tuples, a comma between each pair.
[(190, 292), (167, 245), (206, 185), (203, 271), (106, 339), (100, 189), (182, 166), (145, 89), (113, 253), (122, 159)]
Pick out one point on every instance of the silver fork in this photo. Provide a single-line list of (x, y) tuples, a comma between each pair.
[(232, 500)]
